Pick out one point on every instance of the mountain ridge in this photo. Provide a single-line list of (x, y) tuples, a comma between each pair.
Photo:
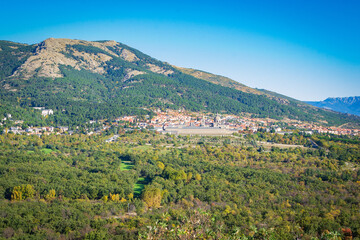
[(349, 105)]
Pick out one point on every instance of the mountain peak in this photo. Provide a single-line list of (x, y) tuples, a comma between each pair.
[(53, 52)]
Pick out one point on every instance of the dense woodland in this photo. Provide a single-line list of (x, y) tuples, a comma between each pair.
[(152, 186)]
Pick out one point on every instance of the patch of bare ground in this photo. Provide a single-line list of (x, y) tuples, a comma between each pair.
[(132, 73), (49, 56), (128, 56), (160, 70)]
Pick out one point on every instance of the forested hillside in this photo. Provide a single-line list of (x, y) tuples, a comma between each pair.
[(83, 80)]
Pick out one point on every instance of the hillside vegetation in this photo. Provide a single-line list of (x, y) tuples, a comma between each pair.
[(84, 80)]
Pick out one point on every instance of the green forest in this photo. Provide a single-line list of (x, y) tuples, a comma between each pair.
[(153, 186)]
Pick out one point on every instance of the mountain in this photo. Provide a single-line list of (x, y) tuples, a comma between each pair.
[(84, 80), (345, 105), (227, 82)]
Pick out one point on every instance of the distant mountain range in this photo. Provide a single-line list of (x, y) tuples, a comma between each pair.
[(84, 80), (345, 105)]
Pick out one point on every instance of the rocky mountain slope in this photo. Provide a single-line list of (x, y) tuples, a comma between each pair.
[(84, 80), (345, 105), (217, 79)]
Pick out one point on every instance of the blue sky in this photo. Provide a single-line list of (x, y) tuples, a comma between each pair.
[(309, 50)]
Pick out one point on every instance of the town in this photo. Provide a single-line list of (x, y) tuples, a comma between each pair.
[(181, 122)]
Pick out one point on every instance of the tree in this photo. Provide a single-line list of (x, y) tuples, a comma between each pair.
[(197, 177), (178, 175), (16, 194), (152, 196), (114, 197), (51, 195), (189, 176), (160, 165), (130, 196), (22, 192)]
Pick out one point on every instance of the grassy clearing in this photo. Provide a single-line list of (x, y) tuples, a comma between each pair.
[(140, 185), (126, 165), (141, 182), (46, 150)]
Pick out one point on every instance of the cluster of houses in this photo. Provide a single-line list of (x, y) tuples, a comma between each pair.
[(313, 128), (172, 119), (176, 119), (182, 119), (35, 130)]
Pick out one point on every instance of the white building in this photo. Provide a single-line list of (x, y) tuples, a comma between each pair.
[(46, 112)]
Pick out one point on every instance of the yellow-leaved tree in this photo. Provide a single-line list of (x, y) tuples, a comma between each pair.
[(152, 196), (197, 177), (22, 192), (160, 165), (51, 195), (114, 197)]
